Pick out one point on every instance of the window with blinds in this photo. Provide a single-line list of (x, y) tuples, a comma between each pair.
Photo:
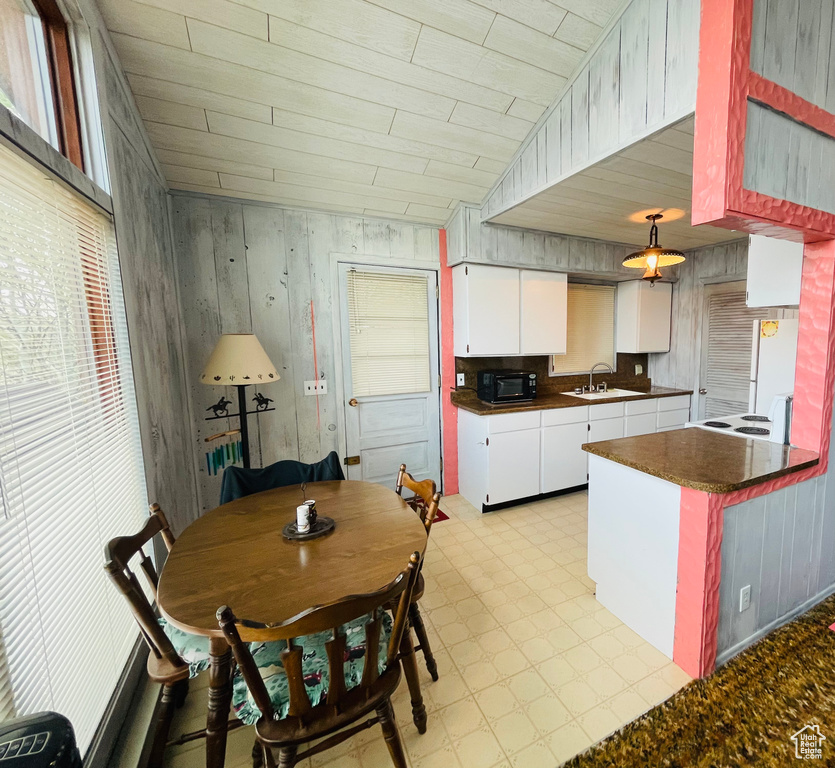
[(591, 329), (388, 317), (71, 474)]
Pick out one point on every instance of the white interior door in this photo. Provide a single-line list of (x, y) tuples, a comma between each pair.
[(390, 372), (727, 338)]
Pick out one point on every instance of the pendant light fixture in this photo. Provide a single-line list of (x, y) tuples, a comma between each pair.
[(653, 257)]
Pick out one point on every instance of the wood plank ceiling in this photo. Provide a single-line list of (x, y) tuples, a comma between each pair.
[(398, 108), (610, 200)]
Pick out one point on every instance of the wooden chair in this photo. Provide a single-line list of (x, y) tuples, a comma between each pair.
[(424, 501), (174, 656), (312, 654)]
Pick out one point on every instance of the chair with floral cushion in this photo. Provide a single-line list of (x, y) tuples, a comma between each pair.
[(424, 500), (321, 672), (175, 656)]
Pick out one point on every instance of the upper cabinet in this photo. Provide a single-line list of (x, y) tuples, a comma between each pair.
[(774, 271), (643, 316), (499, 311), (544, 312), (485, 313)]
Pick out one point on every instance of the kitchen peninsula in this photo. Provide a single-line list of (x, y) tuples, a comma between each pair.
[(689, 542)]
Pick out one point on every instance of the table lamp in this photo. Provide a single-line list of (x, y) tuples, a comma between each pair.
[(239, 360)]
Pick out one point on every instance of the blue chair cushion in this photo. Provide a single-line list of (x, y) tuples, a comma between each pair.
[(267, 657), (192, 649)]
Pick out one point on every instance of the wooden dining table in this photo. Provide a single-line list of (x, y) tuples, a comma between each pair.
[(236, 555)]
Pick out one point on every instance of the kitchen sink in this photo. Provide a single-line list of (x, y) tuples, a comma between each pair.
[(611, 392)]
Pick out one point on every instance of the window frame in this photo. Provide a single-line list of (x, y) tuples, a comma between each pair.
[(62, 80), (614, 286)]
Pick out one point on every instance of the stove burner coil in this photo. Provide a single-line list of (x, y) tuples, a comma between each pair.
[(754, 417), (717, 424), (752, 431)]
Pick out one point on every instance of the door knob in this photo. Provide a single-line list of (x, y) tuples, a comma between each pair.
[(353, 402), (702, 391)]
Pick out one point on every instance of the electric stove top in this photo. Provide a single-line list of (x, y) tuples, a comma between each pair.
[(750, 425)]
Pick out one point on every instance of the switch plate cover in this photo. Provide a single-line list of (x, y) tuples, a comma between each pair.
[(459, 379)]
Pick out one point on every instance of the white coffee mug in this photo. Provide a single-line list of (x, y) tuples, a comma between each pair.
[(303, 518)]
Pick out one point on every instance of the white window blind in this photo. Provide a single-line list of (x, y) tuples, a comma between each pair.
[(591, 329), (71, 473), (388, 315)]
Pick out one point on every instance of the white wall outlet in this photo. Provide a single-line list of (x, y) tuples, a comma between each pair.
[(459, 379), (744, 598), (316, 387), (639, 369)]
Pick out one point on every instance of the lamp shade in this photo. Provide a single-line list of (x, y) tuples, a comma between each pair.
[(239, 359)]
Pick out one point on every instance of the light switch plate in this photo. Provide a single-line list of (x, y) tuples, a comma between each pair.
[(459, 379), (316, 387)]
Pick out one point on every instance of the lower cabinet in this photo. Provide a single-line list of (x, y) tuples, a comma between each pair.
[(513, 471), (512, 456), (564, 462), (605, 429), (640, 424)]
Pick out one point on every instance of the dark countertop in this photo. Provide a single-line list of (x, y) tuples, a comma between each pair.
[(468, 401), (704, 460)]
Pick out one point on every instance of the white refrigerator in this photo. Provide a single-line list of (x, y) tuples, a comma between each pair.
[(773, 359)]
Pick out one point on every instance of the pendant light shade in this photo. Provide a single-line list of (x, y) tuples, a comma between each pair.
[(654, 256)]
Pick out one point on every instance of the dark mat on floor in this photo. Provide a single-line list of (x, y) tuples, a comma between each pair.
[(746, 713)]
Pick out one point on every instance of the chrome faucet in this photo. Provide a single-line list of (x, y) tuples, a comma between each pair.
[(591, 374)]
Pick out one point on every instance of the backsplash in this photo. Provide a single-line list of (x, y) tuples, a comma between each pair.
[(624, 377)]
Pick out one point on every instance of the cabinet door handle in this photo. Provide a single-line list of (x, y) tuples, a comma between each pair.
[(702, 391)]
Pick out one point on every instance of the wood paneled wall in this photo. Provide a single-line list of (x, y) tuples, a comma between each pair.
[(787, 160), (782, 545), (251, 267), (638, 79), (791, 45), (471, 240), (143, 231)]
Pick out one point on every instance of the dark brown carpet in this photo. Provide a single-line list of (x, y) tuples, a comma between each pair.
[(744, 714)]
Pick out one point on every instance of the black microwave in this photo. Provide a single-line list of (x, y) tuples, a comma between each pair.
[(506, 386)]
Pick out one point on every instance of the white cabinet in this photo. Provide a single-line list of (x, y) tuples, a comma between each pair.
[(640, 417), (514, 466), (643, 316), (639, 424), (511, 456), (774, 272), (564, 462), (605, 422), (605, 429), (498, 456), (505, 311), (544, 312), (485, 310), (673, 412)]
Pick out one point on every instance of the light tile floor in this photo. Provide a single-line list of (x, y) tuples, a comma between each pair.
[(532, 669)]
